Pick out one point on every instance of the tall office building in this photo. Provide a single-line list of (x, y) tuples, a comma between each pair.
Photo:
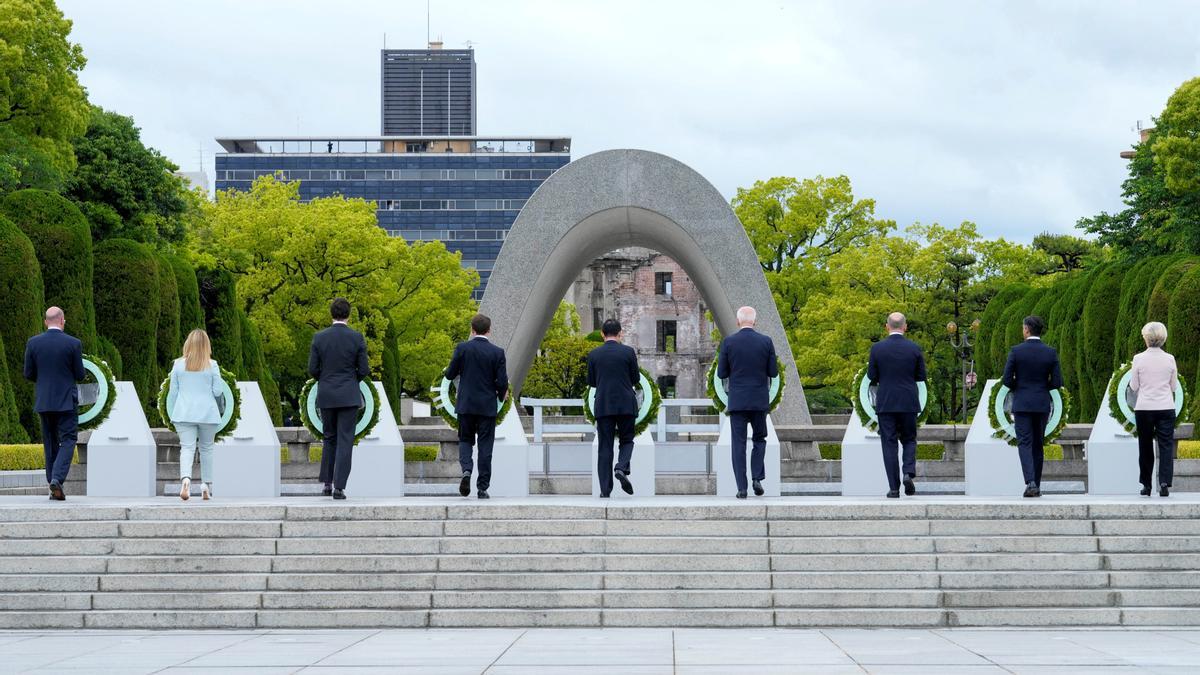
[(427, 92)]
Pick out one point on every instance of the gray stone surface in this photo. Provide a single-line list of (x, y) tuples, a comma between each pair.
[(619, 198)]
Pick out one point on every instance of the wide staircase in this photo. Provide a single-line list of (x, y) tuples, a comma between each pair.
[(701, 562)]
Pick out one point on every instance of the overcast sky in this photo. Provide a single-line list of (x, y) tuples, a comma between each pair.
[(1008, 114)]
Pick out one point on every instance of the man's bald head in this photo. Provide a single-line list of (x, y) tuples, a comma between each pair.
[(746, 316), (55, 318), (896, 322)]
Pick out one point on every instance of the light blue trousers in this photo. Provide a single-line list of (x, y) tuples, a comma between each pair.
[(191, 435)]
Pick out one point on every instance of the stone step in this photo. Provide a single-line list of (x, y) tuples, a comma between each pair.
[(1035, 616), (1069, 597)]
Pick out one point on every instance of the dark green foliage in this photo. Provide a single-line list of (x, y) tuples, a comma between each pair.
[(1099, 332), (62, 242), (170, 345), (191, 316), (125, 188), (1014, 317), (991, 330), (109, 352), (1070, 309), (1183, 325), (11, 430), (1158, 308), (127, 293), (222, 317), (391, 369), (23, 304), (1135, 301), (254, 368)]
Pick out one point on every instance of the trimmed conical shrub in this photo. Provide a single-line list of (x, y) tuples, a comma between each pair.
[(191, 315), (170, 344), (1183, 324), (1099, 338), (989, 360), (1159, 306), (254, 367), (1014, 318), (62, 241), (24, 305), (11, 430), (1070, 311), (127, 296), (222, 317)]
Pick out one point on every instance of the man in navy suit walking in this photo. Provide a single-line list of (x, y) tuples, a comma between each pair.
[(612, 370), (896, 365), (482, 384), (1031, 372), (338, 361), (54, 361), (747, 359)]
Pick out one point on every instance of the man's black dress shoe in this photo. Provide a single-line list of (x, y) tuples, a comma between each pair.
[(1145, 490), (464, 485), (910, 488), (893, 494), (758, 489), (327, 491), (1164, 490), (1032, 490), (604, 497), (624, 481), (741, 494), (338, 494), (56, 492), (483, 494)]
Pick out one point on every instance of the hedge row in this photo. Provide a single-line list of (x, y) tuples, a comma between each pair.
[(1094, 319), (23, 301)]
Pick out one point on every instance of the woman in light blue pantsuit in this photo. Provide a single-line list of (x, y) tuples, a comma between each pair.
[(192, 402)]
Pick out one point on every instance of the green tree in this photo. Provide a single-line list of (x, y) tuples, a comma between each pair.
[(1158, 307), (42, 105), (290, 259), (1183, 329), (191, 314), (1068, 253), (222, 317), (11, 430), (1098, 337), (992, 327), (127, 296), (125, 188), (560, 368), (1162, 213), (168, 342), (63, 244), (22, 298), (254, 368)]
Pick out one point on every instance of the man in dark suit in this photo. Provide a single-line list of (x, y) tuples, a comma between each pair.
[(612, 370), (1031, 372), (54, 361), (896, 365), (338, 361), (482, 383), (747, 359)]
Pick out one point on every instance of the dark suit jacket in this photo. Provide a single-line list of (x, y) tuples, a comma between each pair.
[(612, 369), (482, 377), (54, 360), (338, 360), (747, 359), (1031, 372), (896, 364)]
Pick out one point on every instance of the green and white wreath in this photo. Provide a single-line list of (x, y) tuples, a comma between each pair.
[(1119, 404), (1002, 420), (233, 404), (720, 397), (444, 398), (647, 412), (864, 407), (368, 415), (92, 415)]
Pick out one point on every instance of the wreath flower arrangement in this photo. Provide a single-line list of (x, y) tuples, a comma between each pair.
[(1060, 409), (651, 401), (368, 415), (94, 414), (716, 389), (445, 399), (233, 405)]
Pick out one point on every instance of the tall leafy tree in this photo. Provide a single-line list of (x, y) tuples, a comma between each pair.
[(42, 105), (125, 188), (560, 368)]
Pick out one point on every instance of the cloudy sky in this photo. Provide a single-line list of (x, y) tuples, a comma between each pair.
[(1008, 114)]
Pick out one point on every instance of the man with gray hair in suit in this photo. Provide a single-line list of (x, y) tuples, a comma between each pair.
[(747, 359)]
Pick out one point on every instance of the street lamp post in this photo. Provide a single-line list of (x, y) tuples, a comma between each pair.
[(963, 342)]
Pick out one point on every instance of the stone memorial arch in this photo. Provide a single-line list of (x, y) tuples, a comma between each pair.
[(620, 198)]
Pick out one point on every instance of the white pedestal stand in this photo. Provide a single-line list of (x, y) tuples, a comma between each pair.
[(122, 458), (1112, 456), (510, 459), (723, 460), (377, 467), (993, 467), (246, 462), (641, 466), (863, 473)]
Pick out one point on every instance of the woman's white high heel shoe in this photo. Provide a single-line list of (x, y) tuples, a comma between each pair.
[(185, 489), (205, 493)]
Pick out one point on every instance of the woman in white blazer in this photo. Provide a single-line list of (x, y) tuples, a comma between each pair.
[(1155, 379), (192, 402)]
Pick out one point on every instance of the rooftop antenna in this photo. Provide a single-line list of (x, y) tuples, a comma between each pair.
[(426, 22), (470, 44), (385, 40)]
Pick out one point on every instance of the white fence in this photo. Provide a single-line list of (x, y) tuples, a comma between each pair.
[(660, 426)]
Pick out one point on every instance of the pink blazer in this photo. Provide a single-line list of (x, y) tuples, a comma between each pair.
[(1154, 379)]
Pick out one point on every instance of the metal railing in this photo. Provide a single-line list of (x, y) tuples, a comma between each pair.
[(660, 426)]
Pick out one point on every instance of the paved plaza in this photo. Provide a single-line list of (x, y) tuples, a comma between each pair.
[(649, 651)]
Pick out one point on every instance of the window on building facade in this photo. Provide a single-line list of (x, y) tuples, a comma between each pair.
[(597, 318), (666, 336), (662, 283), (666, 386)]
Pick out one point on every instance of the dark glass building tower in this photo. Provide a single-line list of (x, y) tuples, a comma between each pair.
[(427, 92)]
